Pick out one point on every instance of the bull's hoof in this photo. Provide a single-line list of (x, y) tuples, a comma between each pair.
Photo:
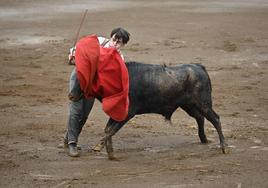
[(224, 149), (112, 157), (206, 141), (98, 147)]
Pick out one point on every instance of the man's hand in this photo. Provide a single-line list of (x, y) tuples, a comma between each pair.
[(71, 56)]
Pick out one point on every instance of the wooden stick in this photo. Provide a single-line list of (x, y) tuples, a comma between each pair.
[(77, 35)]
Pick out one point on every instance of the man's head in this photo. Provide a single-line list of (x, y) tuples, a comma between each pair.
[(119, 37)]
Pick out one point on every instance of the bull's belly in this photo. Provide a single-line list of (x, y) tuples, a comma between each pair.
[(157, 109)]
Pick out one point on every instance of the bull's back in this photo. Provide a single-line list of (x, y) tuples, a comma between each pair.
[(161, 89), (148, 80)]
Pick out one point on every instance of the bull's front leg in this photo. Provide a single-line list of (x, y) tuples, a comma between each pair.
[(107, 142), (98, 147), (111, 128), (103, 141), (109, 148)]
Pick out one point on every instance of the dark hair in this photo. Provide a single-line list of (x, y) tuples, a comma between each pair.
[(121, 33)]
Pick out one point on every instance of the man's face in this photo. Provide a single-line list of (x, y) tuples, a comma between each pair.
[(116, 43)]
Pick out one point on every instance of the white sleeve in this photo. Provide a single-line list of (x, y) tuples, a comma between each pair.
[(71, 52), (101, 39)]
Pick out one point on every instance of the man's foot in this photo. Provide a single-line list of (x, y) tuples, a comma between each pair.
[(73, 151), (65, 145)]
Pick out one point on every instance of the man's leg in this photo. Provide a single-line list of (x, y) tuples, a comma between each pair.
[(74, 95), (75, 110), (79, 111)]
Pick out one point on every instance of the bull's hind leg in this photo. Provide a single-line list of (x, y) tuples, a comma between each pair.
[(215, 120), (193, 112)]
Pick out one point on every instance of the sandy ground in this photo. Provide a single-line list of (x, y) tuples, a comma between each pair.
[(229, 37)]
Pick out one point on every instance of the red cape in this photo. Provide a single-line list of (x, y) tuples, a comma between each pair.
[(102, 73)]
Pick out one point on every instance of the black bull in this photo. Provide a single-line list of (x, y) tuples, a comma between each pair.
[(162, 89)]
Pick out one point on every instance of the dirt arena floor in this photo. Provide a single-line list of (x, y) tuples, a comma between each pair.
[(229, 37)]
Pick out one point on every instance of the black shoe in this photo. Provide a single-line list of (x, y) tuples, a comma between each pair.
[(73, 151)]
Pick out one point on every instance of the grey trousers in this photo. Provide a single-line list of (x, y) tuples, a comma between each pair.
[(78, 110)]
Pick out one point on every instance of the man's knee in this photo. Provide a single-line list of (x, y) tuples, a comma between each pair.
[(74, 98)]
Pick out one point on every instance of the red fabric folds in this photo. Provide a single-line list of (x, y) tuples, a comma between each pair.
[(87, 55), (102, 73)]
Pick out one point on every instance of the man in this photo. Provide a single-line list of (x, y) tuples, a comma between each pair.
[(80, 104)]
